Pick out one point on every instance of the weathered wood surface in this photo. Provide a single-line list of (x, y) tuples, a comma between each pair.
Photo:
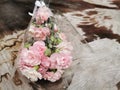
[(96, 65)]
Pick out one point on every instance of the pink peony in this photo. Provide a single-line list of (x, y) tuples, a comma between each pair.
[(53, 76), (28, 57), (33, 55), (45, 61), (38, 48), (45, 64), (65, 47), (43, 14), (59, 60), (41, 33), (65, 62), (42, 70)]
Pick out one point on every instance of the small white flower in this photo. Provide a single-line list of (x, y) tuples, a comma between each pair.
[(31, 74), (65, 47)]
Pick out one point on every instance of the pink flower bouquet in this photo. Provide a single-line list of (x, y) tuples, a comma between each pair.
[(46, 53)]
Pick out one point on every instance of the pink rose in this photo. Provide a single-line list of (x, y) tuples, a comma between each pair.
[(41, 33), (51, 76), (59, 60), (43, 14)]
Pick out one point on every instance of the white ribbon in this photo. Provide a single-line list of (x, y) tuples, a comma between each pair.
[(37, 4)]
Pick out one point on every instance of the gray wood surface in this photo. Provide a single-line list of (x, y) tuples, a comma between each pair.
[(96, 64)]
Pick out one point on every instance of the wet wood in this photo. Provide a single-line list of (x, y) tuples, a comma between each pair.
[(96, 65)]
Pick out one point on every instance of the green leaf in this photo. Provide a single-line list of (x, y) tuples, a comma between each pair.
[(52, 70), (50, 45), (27, 45), (52, 38), (59, 40), (36, 67), (48, 52), (57, 50)]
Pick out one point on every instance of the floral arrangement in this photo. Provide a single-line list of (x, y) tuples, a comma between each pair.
[(46, 53)]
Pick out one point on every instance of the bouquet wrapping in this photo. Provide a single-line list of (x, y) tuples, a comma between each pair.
[(45, 53)]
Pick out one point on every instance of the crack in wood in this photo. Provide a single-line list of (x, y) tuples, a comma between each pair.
[(4, 76), (5, 61), (18, 36), (5, 46), (15, 39), (118, 85), (14, 56), (16, 79)]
